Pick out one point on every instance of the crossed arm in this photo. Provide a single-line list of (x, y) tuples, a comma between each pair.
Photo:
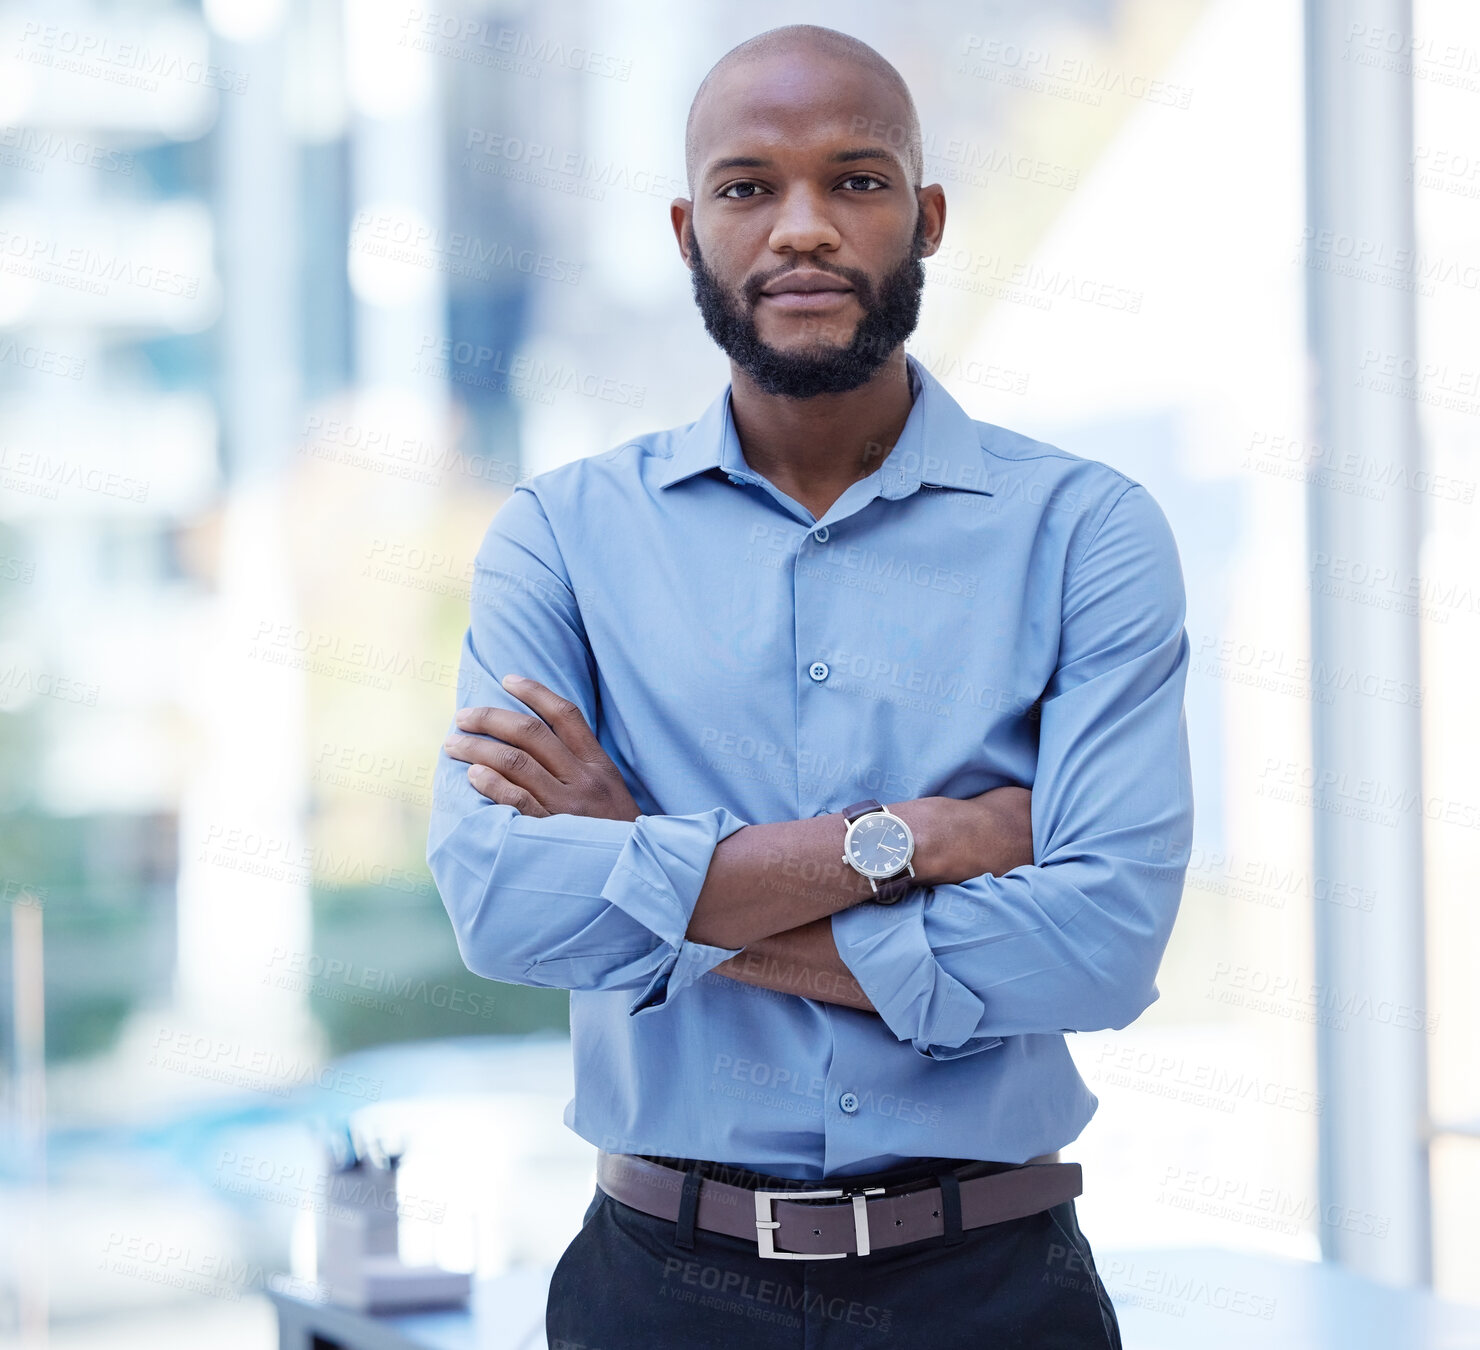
[(997, 941), (771, 889)]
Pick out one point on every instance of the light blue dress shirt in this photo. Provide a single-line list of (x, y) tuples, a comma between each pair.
[(982, 609)]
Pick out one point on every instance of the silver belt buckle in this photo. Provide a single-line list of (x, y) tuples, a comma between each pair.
[(765, 1225)]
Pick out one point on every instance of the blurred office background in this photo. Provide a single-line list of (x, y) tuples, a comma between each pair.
[(292, 292)]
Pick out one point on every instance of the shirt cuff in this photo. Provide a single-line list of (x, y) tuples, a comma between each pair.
[(656, 880), (886, 948), (683, 967)]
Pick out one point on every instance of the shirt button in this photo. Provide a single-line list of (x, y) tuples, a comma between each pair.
[(735, 478), (818, 670), (849, 1102), (820, 534)]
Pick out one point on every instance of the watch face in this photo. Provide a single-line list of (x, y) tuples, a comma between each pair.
[(879, 845)]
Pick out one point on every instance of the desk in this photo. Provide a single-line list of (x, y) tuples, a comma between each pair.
[(506, 1313), (1166, 1300), (1219, 1300)]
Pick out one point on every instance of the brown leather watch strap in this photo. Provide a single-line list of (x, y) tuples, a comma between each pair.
[(851, 813), (828, 1227), (894, 889)]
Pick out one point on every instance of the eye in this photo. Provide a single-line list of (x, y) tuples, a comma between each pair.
[(730, 191), (867, 178)]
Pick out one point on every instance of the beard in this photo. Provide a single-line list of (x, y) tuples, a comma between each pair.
[(889, 317)]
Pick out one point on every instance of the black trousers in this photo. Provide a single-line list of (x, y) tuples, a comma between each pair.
[(626, 1282)]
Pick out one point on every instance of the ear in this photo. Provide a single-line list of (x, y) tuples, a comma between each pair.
[(932, 199), (681, 213)]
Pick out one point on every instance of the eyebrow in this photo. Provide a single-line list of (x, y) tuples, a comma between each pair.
[(838, 157)]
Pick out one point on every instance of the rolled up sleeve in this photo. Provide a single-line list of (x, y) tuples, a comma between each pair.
[(1073, 942), (562, 901), (888, 950)]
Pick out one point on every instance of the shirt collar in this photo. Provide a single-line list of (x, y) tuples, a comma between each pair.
[(939, 444)]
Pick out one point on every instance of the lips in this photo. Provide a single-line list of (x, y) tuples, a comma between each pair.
[(805, 283), (807, 292)]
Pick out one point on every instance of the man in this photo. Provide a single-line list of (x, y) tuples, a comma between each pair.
[(749, 709)]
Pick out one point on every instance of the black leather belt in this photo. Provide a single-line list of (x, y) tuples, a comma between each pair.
[(795, 1225)]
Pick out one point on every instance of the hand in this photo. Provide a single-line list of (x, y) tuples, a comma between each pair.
[(550, 765)]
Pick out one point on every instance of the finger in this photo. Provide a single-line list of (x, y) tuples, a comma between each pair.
[(529, 733), (563, 717), (497, 788), (510, 762)]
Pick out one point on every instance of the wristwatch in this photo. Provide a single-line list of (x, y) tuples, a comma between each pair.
[(877, 844)]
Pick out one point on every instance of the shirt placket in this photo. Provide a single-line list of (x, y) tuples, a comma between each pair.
[(826, 759)]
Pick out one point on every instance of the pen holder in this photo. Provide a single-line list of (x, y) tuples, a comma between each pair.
[(358, 1258)]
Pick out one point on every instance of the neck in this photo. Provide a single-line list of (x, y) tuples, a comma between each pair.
[(814, 448)]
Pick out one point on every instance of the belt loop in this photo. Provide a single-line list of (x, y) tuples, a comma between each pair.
[(950, 1205), (688, 1207)]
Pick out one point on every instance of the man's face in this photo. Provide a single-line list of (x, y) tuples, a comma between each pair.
[(809, 277), (890, 311)]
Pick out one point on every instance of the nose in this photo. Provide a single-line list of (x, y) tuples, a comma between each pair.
[(802, 223)]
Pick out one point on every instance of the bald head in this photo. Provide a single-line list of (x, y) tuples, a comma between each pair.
[(891, 118)]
